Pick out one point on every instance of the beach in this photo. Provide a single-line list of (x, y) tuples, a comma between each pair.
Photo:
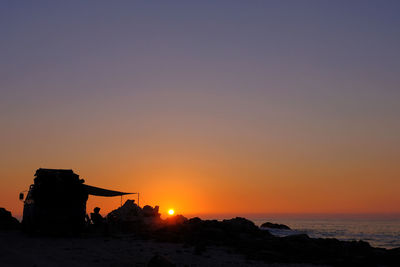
[(178, 241), (18, 249)]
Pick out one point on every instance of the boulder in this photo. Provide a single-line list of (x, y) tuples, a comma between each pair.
[(176, 220), (194, 221), (149, 211), (275, 226), (297, 238), (128, 212), (7, 221), (240, 224)]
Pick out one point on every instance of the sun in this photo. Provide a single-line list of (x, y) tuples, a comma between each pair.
[(171, 212)]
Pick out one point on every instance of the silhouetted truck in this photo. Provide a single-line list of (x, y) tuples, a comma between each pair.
[(56, 202)]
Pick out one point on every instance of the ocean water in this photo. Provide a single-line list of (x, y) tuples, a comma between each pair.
[(383, 233)]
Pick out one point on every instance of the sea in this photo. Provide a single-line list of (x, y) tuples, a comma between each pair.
[(378, 232)]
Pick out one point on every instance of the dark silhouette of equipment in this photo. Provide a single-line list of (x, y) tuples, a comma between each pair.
[(56, 202)]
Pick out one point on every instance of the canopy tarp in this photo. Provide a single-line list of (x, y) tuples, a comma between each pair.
[(97, 191)]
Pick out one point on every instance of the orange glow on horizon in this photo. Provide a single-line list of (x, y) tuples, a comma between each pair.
[(195, 190)]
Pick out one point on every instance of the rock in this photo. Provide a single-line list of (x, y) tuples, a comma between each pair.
[(297, 238), (160, 261), (275, 226), (175, 220), (239, 224), (195, 220), (7, 221), (128, 212), (149, 211)]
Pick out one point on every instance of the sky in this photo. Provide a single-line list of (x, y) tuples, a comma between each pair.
[(205, 106)]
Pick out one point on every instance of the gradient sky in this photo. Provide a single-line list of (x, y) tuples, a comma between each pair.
[(206, 106)]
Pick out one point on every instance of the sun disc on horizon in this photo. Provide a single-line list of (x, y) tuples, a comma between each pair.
[(171, 212)]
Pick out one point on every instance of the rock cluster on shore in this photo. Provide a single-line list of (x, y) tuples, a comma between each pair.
[(275, 226), (7, 221), (245, 237)]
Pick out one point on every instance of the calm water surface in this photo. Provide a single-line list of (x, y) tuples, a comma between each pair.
[(378, 232)]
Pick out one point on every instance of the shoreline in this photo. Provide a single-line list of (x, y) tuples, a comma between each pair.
[(18, 249), (177, 241)]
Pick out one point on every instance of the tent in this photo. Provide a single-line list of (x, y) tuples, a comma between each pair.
[(97, 191)]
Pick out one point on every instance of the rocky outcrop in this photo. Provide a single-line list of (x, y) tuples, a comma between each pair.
[(244, 237), (275, 226), (149, 211), (239, 224), (130, 212), (7, 221), (174, 220), (199, 232)]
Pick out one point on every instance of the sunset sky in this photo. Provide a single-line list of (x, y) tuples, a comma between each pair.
[(207, 106)]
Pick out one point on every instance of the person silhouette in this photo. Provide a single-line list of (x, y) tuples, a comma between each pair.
[(96, 218)]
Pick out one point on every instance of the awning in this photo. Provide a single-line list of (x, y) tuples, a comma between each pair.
[(97, 191)]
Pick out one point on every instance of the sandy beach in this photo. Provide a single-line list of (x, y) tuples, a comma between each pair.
[(18, 249)]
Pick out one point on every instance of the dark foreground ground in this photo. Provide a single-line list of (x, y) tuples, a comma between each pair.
[(18, 249), (177, 241)]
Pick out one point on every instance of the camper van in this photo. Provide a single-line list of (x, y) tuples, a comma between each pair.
[(56, 202)]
